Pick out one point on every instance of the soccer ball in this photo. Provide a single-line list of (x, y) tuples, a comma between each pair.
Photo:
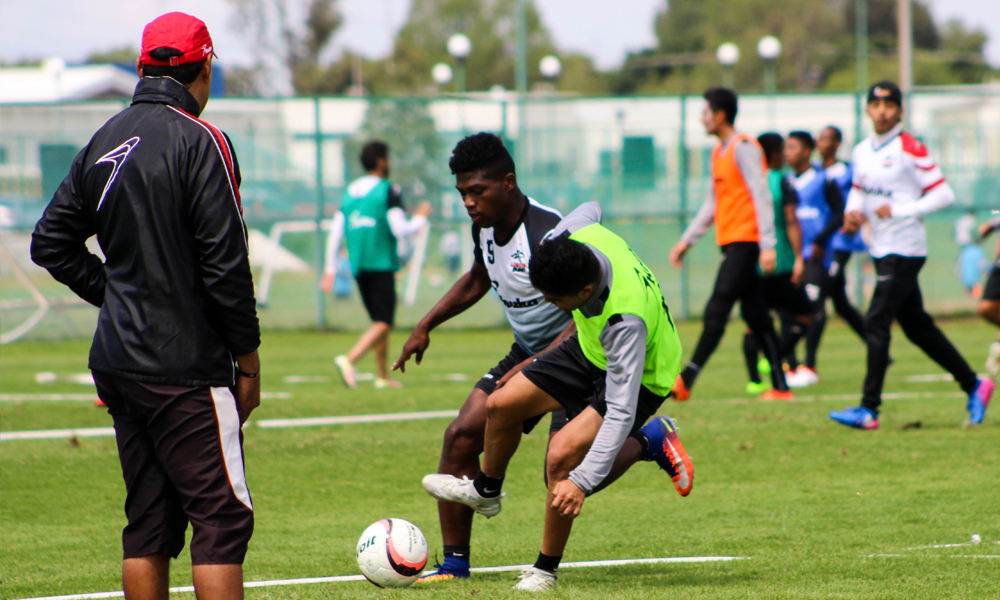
[(392, 553)]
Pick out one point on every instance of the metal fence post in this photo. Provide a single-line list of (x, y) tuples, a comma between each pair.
[(320, 209), (682, 191)]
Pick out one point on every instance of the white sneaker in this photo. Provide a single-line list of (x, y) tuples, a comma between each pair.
[(801, 377), (536, 580), (452, 489), (992, 360), (346, 370)]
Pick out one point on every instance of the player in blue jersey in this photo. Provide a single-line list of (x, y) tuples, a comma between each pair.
[(820, 214), (843, 246)]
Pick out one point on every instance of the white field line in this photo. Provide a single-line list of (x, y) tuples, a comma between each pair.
[(843, 397), (929, 378), (931, 555), (53, 434), (351, 419), (341, 578), (90, 397)]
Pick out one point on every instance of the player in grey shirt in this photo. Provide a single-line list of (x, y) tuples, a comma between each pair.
[(610, 378)]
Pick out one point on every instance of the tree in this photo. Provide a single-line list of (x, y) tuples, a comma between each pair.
[(121, 54), (287, 54), (490, 24)]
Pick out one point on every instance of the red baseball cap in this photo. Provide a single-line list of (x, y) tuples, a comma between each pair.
[(179, 31)]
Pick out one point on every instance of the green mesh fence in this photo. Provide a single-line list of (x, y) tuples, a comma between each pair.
[(645, 160)]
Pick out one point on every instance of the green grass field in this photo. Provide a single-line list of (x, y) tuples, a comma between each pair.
[(807, 500)]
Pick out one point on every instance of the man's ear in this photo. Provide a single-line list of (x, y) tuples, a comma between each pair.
[(138, 66), (206, 71), (509, 182)]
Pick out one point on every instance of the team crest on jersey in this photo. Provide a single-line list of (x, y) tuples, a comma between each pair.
[(887, 162), (517, 264)]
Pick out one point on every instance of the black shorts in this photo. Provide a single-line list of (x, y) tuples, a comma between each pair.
[(488, 383), (181, 451), (568, 376), (992, 289), (378, 292), (781, 294)]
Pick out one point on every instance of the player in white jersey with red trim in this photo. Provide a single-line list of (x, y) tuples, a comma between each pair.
[(896, 183)]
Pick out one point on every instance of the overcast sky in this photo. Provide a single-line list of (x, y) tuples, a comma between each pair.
[(72, 29)]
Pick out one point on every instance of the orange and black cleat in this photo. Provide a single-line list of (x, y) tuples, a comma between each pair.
[(680, 390)]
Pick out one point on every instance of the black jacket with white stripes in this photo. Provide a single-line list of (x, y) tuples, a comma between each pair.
[(160, 189)]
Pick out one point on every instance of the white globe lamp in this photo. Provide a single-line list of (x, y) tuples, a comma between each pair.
[(550, 67), (728, 54), (459, 46), (441, 74)]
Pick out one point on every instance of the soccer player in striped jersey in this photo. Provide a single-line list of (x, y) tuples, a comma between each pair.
[(896, 183)]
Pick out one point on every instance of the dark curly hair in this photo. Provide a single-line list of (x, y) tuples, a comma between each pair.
[(772, 143), (481, 152), (562, 267)]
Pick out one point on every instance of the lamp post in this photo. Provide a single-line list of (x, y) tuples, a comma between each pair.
[(728, 55), (441, 74), (769, 48), (459, 47), (550, 67)]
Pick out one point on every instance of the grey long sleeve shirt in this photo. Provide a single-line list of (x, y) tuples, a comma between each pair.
[(624, 342), (749, 160)]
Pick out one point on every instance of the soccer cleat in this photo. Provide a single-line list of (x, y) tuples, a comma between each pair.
[(346, 370), (99, 402), (381, 384), (757, 387), (764, 367), (452, 489), (536, 580), (858, 417), (663, 446), (979, 399), (993, 360), (445, 573), (680, 390), (773, 395), (802, 377)]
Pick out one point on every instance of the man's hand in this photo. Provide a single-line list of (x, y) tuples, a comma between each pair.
[(678, 252), (818, 252), (798, 271), (768, 261), (247, 388), (326, 284), (567, 498), (853, 221), (985, 229), (416, 344), (884, 211), (423, 209)]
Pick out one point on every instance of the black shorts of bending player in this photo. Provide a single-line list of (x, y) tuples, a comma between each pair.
[(378, 292), (181, 451), (992, 289), (565, 374), (781, 294), (488, 383)]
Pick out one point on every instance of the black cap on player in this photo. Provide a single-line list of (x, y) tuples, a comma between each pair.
[(885, 90)]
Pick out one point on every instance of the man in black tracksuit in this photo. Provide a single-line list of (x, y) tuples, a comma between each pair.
[(174, 356)]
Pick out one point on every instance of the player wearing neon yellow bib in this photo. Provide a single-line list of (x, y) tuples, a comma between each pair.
[(609, 377)]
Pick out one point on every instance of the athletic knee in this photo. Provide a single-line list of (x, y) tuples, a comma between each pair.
[(462, 442), (559, 461)]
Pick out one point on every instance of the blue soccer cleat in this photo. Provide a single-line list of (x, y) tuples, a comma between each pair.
[(979, 399), (453, 568), (665, 448), (858, 417)]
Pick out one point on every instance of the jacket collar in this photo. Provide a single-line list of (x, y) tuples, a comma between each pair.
[(165, 90)]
